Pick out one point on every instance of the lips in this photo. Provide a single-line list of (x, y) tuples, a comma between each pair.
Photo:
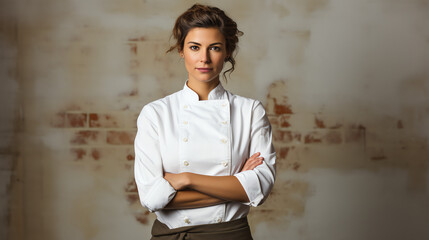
[(204, 69)]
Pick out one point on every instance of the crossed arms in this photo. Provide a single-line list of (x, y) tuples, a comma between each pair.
[(196, 190)]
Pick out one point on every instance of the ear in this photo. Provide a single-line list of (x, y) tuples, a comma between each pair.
[(181, 54)]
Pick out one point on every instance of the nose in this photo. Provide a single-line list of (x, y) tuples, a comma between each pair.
[(205, 56)]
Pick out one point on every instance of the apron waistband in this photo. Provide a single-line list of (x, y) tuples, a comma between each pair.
[(235, 230)]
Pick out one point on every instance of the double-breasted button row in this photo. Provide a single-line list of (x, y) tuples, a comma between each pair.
[(223, 140), (188, 221)]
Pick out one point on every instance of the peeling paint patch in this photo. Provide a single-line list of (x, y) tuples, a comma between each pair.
[(95, 153), (319, 122), (133, 48), (131, 186), (280, 108), (313, 137), (78, 153), (121, 137), (142, 217), (76, 120), (277, 101), (87, 137), (99, 120), (137, 39)]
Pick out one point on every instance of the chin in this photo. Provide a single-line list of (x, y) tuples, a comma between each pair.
[(206, 80)]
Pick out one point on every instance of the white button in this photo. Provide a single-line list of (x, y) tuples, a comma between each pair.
[(224, 140), (185, 122), (185, 139), (224, 104), (225, 164), (186, 163), (185, 107), (219, 220), (186, 220), (224, 122)]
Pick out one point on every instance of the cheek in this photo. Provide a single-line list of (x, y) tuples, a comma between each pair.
[(220, 61)]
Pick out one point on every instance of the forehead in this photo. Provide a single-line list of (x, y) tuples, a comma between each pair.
[(204, 35)]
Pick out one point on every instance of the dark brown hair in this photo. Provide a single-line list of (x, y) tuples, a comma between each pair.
[(203, 16)]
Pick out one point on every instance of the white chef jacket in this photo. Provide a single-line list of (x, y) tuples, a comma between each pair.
[(179, 133)]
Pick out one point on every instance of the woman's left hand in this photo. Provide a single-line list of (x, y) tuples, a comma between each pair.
[(178, 181)]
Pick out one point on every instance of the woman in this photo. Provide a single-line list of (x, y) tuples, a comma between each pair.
[(193, 166)]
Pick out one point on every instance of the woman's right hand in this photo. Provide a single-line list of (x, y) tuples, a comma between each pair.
[(252, 162)]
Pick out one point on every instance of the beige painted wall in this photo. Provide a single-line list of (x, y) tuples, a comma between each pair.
[(346, 84)]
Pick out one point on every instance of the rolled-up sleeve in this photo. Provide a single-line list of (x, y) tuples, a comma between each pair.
[(258, 182), (154, 191)]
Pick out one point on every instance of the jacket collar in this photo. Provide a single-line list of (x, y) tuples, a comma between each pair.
[(217, 93)]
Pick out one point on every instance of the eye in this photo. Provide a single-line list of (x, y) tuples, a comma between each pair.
[(194, 48), (215, 48)]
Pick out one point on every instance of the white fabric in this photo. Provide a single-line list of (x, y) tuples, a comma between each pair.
[(179, 133)]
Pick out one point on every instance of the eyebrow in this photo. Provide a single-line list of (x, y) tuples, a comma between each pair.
[(217, 43)]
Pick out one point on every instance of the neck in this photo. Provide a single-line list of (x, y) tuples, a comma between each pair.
[(203, 88)]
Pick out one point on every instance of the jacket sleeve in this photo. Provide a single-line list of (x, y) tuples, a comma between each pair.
[(154, 191), (258, 182)]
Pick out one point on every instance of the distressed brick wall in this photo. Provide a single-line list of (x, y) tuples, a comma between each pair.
[(344, 83)]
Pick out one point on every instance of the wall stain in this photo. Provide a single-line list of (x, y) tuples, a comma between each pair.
[(130, 157), (143, 217), (314, 5), (284, 121), (378, 158), (95, 153), (417, 84), (287, 200), (137, 39), (133, 48), (279, 9), (78, 153), (400, 125), (313, 137), (319, 122)]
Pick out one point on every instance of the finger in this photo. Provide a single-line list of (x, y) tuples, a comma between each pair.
[(255, 155), (252, 165), (249, 164), (254, 161), (257, 162)]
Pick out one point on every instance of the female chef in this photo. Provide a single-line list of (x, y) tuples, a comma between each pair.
[(203, 154)]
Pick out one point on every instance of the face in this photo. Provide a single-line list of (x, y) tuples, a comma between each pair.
[(204, 52)]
